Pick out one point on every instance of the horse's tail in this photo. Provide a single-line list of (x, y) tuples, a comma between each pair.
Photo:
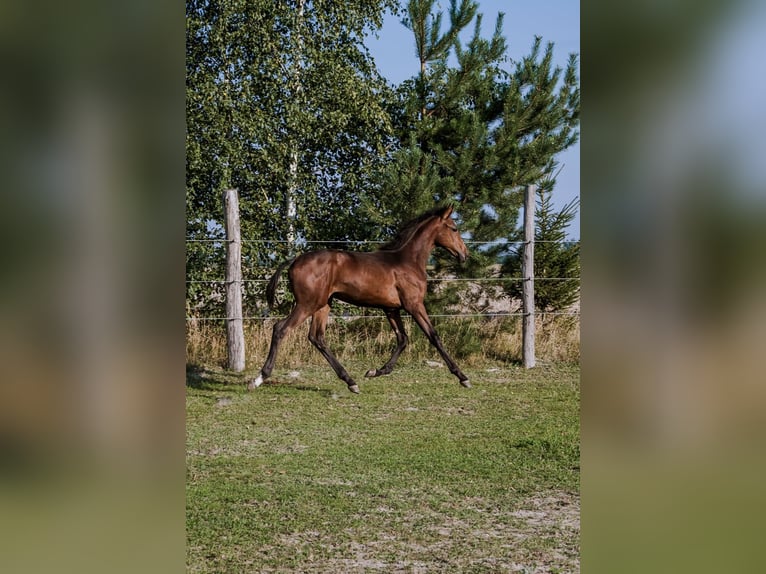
[(271, 288)]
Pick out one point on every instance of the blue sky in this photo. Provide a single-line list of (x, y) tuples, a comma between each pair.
[(557, 21)]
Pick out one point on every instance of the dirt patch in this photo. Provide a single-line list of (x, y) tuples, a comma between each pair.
[(539, 536)]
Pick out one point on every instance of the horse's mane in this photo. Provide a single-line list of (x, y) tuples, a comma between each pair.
[(407, 230)]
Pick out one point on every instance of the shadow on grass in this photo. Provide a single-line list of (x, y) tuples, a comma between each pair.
[(200, 378), (204, 379)]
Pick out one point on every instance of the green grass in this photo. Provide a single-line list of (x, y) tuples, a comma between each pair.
[(416, 474)]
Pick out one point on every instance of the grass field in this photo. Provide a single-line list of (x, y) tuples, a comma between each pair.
[(416, 474)]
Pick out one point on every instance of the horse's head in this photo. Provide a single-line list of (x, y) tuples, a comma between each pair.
[(448, 236)]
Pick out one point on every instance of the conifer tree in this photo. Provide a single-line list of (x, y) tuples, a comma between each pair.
[(475, 132)]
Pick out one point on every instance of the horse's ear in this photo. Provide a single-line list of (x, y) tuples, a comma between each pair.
[(447, 211)]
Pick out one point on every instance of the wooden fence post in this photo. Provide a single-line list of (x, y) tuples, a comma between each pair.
[(235, 336), (528, 284)]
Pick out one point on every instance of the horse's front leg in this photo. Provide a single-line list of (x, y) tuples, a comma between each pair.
[(395, 320), (418, 313)]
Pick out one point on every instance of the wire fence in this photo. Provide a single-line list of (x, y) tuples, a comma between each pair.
[(266, 315), (495, 295)]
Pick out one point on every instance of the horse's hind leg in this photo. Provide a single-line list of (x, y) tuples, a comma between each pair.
[(316, 336), (297, 316), (395, 320)]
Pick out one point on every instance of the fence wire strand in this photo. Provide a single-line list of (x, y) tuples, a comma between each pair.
[(353, 317), (430, 280), (370, 242)]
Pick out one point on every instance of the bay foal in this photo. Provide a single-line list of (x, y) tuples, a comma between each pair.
[(392, 278)]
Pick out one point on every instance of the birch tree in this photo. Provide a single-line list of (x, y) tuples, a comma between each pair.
[(283, 103)]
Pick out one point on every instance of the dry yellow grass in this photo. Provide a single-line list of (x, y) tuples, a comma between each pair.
[(469, 340)]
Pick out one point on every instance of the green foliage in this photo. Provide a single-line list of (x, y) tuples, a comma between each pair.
[(556, 261), (269, 83), (285, 104), (475, 133), (430, 43)]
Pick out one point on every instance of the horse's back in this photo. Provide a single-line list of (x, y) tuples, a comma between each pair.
[(337, 261)]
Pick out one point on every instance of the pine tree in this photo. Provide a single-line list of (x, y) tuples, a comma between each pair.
[(475, 133)]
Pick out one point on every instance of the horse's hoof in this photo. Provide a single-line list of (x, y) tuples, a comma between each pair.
[(255, 383), (354, 389), (371, 373), (466, 384)]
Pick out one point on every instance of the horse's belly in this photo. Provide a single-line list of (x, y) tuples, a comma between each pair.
[(371, 295)]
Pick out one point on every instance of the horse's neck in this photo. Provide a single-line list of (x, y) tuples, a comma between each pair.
[(418, 249)]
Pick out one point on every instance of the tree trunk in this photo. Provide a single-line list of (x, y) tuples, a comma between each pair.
[(297, 89)]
